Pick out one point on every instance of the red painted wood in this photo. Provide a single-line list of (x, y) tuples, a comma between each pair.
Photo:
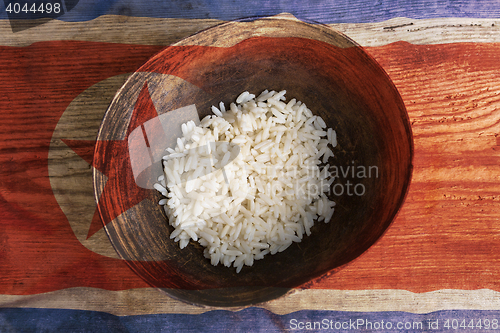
[(38, 250), (446, 236)]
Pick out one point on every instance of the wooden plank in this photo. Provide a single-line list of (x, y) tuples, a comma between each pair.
[(165, 31), (446, 235), (324, 11), (152, 301), (38, 248)]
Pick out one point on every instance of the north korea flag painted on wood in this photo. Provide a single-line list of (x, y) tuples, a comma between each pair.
[(47, 207)]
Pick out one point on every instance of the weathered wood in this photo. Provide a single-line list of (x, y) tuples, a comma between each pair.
[(446, 235), (317, 66), (165, 31), (324, 11), (146, 301)]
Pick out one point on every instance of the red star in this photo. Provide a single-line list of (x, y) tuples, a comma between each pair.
[(111, 157)]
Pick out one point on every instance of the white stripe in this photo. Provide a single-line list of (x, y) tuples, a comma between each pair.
[(153, 301), (425, 31), (155, 31), (107, 28)]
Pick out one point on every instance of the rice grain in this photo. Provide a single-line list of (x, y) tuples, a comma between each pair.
[(241, 207)]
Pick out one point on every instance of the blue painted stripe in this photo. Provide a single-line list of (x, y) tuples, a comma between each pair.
[(248, 320), (324, 11)]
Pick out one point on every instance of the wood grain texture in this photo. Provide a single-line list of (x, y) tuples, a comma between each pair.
[(447, 233), (108, 29), (150, 301), (38, 251), (446, 236), (423, 31), (70, 155), (324, 11), (165, 31)]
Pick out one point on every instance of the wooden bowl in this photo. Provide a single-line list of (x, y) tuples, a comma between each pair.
[(326, 70)]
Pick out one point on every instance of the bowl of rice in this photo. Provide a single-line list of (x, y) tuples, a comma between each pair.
[(250, 159)]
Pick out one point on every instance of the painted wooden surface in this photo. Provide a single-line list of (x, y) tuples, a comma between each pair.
[(451, 93), (323, 11), (441, 252), (158, 31), (450, 218)]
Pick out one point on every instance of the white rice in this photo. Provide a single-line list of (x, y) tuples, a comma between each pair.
[(264, 199)]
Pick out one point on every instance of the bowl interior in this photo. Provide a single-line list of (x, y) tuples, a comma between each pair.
[(314, 64)]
